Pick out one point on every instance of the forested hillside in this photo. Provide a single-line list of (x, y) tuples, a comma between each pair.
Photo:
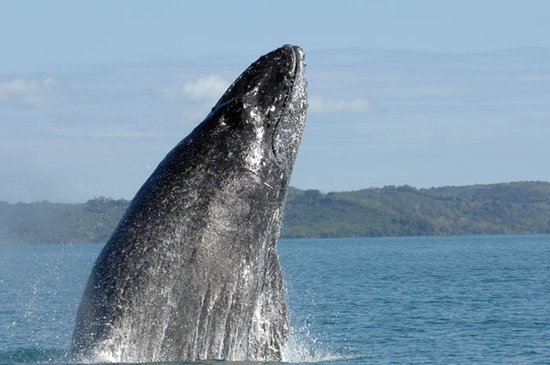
[(46, 222), (511, 208), (508, 208)]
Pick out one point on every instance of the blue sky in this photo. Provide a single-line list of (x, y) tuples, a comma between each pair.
[(425, 93)]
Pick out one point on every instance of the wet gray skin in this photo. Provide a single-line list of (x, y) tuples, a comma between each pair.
[(191, 271)]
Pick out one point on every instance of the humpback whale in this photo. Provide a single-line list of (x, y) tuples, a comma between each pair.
[(191, 272)]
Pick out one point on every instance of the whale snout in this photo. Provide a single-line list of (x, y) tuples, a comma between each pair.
[(267, 106), (267, 83)]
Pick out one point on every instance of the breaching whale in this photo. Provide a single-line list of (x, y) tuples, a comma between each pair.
[(191, 271)]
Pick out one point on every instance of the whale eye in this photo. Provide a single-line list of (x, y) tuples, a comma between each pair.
[(233, 112)]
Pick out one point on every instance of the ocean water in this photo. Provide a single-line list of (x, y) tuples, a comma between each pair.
[(422, 300)]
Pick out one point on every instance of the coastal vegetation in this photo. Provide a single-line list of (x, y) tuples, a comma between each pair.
[(507, 208)]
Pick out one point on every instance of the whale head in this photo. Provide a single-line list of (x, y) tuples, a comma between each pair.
[(261, 116)]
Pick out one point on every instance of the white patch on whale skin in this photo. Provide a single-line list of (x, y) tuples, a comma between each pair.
[(255, 155)]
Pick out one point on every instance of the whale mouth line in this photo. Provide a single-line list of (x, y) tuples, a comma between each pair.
[(295, 71)]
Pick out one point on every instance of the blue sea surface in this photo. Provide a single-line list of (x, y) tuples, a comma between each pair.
[(421, 300)]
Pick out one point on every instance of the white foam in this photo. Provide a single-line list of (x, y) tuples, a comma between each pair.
[(305, 348)]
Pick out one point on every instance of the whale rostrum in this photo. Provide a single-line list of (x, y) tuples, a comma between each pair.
[(191, 271)]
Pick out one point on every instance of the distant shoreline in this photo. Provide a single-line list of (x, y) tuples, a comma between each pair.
[(516, 208)]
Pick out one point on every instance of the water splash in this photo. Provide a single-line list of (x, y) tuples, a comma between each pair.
[(304, 347)]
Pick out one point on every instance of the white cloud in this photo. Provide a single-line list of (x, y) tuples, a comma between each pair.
[(104, 132), (321, 105), (205, 89), (32, 93)]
